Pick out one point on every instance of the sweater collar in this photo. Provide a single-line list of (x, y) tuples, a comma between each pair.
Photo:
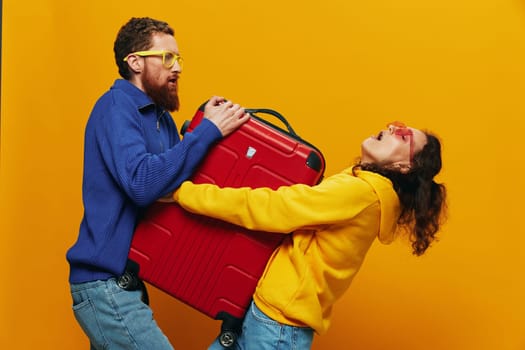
[(139, 97), (388, 201)]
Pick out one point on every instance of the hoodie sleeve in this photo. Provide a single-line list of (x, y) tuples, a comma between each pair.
[(336, 199)]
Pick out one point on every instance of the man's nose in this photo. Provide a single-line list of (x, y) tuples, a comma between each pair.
[(177, 67)]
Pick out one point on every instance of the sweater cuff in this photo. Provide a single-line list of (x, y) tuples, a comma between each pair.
[(206, 129)]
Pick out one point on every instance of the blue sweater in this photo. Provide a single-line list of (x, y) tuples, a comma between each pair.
[(132, 156)]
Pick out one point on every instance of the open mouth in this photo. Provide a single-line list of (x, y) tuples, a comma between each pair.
[(172, 84)]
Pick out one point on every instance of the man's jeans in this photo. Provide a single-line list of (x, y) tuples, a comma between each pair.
[(114, 318), (259, 332)]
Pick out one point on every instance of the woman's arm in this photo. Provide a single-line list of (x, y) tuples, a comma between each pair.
[(284, 210)]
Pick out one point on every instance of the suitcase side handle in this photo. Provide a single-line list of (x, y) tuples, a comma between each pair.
[(276, 114), (315, 159)]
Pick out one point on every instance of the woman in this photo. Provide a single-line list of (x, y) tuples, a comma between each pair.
[(334, 224)]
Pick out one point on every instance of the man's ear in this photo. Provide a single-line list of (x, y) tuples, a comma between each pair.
[(135, 63)]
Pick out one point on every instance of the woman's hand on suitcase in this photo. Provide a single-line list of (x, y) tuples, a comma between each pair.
[(167, 198), (226, 115)]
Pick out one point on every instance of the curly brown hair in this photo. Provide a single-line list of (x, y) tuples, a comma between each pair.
[(136, 35), (423, 201)]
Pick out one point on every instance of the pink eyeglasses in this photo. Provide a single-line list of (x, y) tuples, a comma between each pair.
[(401, 130)]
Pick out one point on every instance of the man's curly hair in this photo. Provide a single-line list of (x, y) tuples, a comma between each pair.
[(136, 35)]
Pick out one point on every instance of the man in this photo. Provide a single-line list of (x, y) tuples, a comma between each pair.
[(133, 156)]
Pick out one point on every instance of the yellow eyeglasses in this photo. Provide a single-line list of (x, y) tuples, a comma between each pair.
[(168, 57)]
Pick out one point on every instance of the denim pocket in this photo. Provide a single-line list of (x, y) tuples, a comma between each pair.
[(261, 317), (269, 334), (86, 316)]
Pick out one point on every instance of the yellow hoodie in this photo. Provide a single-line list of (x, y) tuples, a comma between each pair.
[(333, 224)]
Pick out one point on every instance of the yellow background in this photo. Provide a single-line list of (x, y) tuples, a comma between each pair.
[(339, 70)]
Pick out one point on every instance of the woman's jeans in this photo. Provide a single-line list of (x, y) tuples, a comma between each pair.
[(114, 318), (259, 332)]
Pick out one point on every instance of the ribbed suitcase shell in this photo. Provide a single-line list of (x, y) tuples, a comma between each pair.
[(209, 264)]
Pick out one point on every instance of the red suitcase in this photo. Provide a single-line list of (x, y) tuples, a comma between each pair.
[(209, 264)]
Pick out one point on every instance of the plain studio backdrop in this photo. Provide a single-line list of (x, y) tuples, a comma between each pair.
[(339, 70)]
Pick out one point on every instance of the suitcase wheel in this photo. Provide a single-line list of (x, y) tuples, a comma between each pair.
[(227, 338)]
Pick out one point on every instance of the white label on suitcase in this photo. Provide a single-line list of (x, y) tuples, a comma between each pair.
[(250, 152)]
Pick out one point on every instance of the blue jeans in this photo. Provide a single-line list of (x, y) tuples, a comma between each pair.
[(114, 318), (259, 332)]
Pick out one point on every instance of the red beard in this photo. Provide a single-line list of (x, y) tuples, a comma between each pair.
[(165, 95)]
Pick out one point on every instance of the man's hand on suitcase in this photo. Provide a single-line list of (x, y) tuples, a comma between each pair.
[(226, 115)]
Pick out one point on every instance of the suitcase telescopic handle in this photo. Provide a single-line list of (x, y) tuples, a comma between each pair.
[(275, 114)]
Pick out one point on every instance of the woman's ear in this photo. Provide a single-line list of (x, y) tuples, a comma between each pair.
[(402, 167)]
